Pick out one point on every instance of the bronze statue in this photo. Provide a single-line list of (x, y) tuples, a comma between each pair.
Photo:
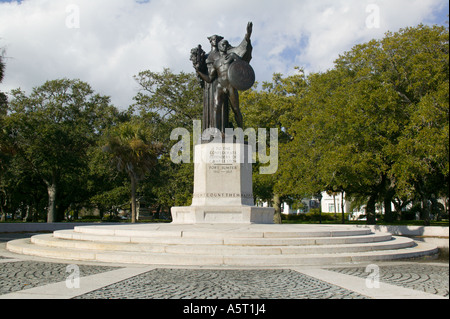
[(223, 72)]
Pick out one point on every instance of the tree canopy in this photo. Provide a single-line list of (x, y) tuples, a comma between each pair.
[(375, 126)]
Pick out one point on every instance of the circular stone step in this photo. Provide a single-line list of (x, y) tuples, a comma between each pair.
[(222, 231), (227, 239), (202, 249), (237, 245)]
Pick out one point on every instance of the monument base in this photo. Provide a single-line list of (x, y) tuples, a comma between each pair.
[(223, 190), (222, 215)]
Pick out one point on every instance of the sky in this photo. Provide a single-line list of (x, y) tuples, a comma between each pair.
[(106, 42)]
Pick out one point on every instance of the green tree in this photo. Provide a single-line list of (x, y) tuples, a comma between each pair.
[(170, 100), (132, 150), (52, 130), (167, 101), (352, 127), (108, 188), (419, 73), (3, 146), (269, 108)]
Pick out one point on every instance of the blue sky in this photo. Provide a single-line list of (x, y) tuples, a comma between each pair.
[(106, 42)]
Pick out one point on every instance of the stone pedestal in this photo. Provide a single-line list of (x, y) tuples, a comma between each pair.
[(223, 190)]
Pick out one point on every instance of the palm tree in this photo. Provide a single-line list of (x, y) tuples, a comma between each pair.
[(132, 151)]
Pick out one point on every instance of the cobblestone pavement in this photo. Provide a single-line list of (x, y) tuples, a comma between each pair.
[(167, 283), (19, 275), (433, 279), (222, 284), (23, 274)]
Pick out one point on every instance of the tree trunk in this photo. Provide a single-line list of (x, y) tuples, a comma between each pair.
[(35, 214), (277, 206), (157, 214), (319, 196), (388, 216), (334, 205), (2, 214), (51, 209), (28, 215), (133, 200), (426, 212), (435, 212), (342, 207), (370, 210)]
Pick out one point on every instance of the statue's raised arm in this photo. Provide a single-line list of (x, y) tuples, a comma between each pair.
[(249, 31), (244, 50)]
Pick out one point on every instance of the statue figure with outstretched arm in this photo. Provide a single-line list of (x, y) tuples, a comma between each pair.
[(216, 104), (224, 91)]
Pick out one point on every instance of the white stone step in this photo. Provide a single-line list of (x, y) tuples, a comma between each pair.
[(49, 240), (71, 235), (308, 241), (338, 258), (224, 244), (228, 239), (222, 231), (24, 246)]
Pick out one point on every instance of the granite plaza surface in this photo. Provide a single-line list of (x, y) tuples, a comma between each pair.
[(28, 277)]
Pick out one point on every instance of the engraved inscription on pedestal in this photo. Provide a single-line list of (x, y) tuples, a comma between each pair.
[(219, 154), (222, 153), (222, 168), (222, 175)]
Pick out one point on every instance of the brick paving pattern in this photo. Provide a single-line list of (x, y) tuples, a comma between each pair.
[(165, 283), (222, 284), (16, 276), (433, 279)]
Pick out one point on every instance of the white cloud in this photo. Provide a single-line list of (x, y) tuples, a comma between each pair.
[(118, 38)]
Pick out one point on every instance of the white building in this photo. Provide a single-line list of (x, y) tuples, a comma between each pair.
[(334, 203), (308, 203), (330, 203), (327, 205)]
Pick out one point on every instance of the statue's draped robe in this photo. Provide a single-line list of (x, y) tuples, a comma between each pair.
[(244, 51)]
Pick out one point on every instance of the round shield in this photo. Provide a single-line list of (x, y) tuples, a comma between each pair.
[(241, 75)]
